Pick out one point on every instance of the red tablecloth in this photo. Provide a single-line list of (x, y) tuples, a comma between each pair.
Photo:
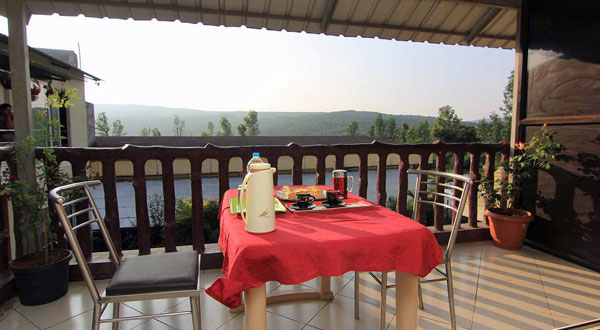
[(324, 243)]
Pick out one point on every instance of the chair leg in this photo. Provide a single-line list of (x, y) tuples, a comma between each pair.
[(195, 303), (451, 296), (116, 307), (356, 294), (383, 301), (421, 306), (96, 317)]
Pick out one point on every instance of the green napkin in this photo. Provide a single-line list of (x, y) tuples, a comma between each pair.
[(233, 205)]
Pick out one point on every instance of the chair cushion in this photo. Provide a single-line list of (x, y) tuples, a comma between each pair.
[(155, 273)]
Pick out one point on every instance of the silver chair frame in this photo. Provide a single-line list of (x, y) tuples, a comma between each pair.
[(467, 183), (101, 301)]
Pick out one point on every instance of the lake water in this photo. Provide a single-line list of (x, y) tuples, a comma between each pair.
[(210, 190)]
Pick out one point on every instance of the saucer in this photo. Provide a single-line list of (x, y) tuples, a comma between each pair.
[(298, 208), (327, 205)]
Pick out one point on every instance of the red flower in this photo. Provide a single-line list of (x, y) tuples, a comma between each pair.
[(520, 146), (12, 178)]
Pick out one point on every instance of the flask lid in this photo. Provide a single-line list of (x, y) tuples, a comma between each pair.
[(256, 167)]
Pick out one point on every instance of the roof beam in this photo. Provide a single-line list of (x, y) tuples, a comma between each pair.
[(277, 16), (418, 29), (482, 24), (190, 9), (331, 4), (506, 4)]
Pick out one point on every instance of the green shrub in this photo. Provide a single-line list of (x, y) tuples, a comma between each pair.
[(184, 218)]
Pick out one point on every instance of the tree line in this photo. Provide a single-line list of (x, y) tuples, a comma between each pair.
[(447, 127), (249, 127)]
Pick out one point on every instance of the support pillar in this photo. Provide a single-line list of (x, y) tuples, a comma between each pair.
[(18, 53), (19, 68)]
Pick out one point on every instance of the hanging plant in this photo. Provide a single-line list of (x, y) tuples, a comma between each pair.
[(35, 89)]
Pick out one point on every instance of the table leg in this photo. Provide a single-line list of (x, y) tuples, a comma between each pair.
[(255, 300), (325, 288), (406, 301)]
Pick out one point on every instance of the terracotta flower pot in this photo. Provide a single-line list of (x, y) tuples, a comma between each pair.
[(508, 227)]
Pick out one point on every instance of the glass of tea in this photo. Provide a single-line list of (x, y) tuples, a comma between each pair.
[(340, 182)]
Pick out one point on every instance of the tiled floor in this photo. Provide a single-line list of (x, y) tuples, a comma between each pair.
[(494, 289)]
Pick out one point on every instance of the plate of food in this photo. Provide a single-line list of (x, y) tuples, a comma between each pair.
[(288, 193)]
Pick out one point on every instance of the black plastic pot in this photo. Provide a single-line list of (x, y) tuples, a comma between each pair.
[(37, 285)]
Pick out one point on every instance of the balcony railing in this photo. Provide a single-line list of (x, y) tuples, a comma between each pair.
[(457, 154)]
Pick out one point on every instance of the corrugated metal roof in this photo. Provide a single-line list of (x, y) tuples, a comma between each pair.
[(46, 66), (485, 23)]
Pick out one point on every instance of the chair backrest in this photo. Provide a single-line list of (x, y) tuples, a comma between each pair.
[(75, 200), (453, 197)]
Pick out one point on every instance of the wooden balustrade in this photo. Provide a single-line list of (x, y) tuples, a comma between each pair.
[(139, 155)]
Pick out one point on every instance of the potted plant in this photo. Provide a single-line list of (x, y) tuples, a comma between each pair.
[(508, 225), (42, 274)]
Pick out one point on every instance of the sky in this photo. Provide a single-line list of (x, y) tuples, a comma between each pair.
[(194, 66)]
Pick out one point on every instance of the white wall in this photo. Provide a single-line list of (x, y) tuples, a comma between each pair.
[(77, 113)]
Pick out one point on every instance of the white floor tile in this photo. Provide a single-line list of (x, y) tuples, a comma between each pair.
[(207, 277), (301, 311), (337, 282), (155, 306), (274, 322), (339, 314), (213, 314), (494, 289), (153, 325), (425, 324), (14, 321), (84, 320), (76, 301)]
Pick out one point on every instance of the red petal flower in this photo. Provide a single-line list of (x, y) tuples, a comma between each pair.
[(12, 178), (520, 146)]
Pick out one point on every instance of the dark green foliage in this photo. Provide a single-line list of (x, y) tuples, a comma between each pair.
[(118, 129), (210, 129), (498, 127), (147, 131), (420, 133), (250, 125), (271, 123), (178, 126), (102, 127), (522, 169), (225, 127), (377, 130), (241, 130), (390, 129), (183, 221), (352, 129), (449, 128)]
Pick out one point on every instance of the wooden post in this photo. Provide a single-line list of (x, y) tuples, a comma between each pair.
[(168, 183), (381, 172), (141, 205), (18, 54)]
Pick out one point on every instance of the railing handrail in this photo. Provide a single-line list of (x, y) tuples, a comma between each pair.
[(79, 157)]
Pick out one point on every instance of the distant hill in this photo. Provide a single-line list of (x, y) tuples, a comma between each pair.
[(135, 117)]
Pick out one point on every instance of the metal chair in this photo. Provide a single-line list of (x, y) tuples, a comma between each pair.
[(420, 197), (159, 276)]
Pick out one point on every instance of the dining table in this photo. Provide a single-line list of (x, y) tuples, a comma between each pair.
[(324, 243)]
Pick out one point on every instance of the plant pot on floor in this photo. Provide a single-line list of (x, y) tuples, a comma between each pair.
[(508, 227), (40, 284)]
